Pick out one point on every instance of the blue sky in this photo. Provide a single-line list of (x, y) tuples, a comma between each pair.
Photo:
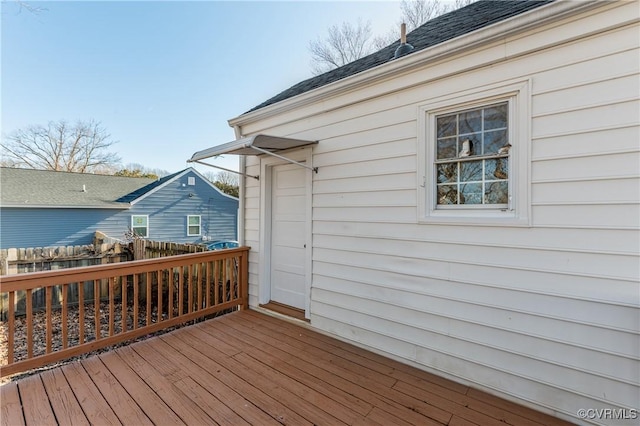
[(162, 77)]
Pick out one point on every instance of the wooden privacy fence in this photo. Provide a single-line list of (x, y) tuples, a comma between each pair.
[(147, 249), (145, 296), (35, 259)]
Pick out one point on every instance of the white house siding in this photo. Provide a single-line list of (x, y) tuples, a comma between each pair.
[(547, 314)]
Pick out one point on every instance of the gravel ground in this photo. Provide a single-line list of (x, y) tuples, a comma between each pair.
[(40, 336)]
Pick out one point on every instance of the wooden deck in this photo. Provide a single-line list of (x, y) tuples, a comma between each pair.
[(249, 368)]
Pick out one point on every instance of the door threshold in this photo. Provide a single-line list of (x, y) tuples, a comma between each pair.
[(287, 310)]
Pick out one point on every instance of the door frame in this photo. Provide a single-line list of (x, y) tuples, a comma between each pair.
[(266, 174)]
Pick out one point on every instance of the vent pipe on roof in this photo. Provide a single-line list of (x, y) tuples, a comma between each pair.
[(84, 188), (404, 47)]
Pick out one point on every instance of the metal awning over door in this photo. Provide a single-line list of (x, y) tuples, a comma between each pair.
[(254, 145)]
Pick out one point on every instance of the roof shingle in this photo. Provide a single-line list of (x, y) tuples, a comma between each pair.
[(27, 187)]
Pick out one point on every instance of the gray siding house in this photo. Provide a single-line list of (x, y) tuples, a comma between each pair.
[(41, 208)]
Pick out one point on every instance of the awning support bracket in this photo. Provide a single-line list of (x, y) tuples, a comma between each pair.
[(264, 151), (226, 170)]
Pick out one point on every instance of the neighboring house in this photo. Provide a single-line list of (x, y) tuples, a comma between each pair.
[(40, 208), (471, 208)]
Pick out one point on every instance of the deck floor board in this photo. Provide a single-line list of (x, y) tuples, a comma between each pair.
[(248, 368)]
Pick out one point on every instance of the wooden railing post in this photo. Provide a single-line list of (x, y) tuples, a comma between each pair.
[(243, 279)]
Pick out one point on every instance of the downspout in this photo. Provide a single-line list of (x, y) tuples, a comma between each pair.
[(241, 182)]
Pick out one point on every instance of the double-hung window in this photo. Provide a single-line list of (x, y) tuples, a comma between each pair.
[(193, 225), (473, 157)]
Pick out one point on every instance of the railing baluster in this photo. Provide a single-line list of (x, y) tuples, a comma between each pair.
[(216, 282), (96, 309), (170, 283), (12, 325), (190, 288), (200, 278), (180, 289), (136, 297), (49, 319), (160, 288), (123, 299), (111, 304), (225, 293), (208, 279), (149, 284), (29, 308), (81, 312), (65, 336)]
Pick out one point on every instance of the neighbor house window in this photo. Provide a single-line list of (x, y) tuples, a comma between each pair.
[(193, 225), (473, 157), (140, 225)]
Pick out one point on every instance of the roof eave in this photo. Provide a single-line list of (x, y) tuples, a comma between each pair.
[(548, 13), (123, 206)]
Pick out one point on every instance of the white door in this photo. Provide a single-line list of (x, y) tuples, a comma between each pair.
[(288, 231)]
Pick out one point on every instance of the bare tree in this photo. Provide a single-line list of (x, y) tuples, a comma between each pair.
[(417, 12), (83, 147), (24, 5), (350, 42), (225, 181), (343, 44)]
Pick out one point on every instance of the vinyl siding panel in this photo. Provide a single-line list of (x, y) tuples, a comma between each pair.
[(21, 227), (545, 314)]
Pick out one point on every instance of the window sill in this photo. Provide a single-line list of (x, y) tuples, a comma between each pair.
[(475, 218)]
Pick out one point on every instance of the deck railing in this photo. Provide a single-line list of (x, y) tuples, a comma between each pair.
[(144, 297)]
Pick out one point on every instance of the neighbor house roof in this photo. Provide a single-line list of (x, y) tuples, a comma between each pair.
[(46, 188), (438, 30), (148, 188)]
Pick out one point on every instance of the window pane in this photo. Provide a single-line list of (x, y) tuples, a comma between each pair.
[(141, 232), (194, 230), (471, 193), (471, 171), (495, 116), (446, 126), (496, 193), (447, 194), (448, 173), (194, 220), (494, 140), (470, 122), (446, 148), (496, 169), (139, 221)]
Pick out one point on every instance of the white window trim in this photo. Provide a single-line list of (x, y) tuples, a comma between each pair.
[(199, 225), (518, 93), (133, 227)]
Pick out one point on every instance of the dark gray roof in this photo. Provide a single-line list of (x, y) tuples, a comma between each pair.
[(438, 30), (143, 190), (26, 187)]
